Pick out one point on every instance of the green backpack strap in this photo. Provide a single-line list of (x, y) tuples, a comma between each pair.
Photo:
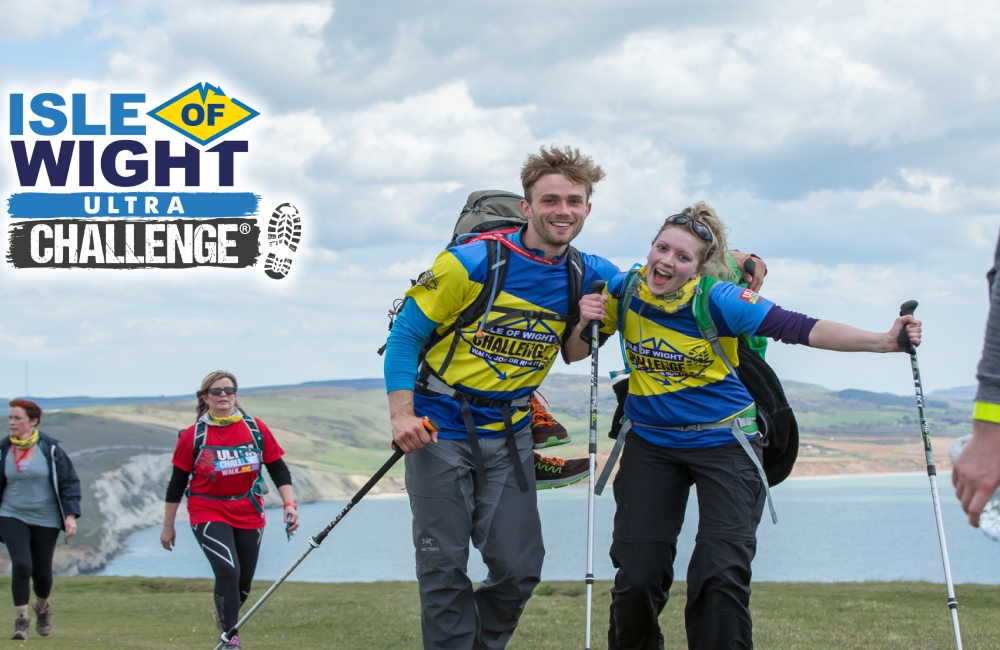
[(259, 486), (756, 343), (703, 318), (629, 290)]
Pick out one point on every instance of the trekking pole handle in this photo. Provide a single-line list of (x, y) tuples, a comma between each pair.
[(429, 424), (903, 340), (597, 286), (749, 265)]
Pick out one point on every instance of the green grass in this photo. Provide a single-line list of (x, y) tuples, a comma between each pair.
[(158, 613)]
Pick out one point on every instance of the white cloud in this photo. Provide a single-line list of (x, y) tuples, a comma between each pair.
[(851, 144), (271, 45), (23, 20)]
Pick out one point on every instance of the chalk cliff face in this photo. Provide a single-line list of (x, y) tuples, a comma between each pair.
[(130, 498)]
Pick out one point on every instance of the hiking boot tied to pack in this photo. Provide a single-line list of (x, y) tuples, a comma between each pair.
[(43, 620), (556, 472), (544, 428), (21, 625)]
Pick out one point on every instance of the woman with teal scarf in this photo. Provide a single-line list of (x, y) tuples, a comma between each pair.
[(39, 496)]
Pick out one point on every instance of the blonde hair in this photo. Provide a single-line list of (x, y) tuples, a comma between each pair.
[(714, 257), (207, 382), (572, 164)]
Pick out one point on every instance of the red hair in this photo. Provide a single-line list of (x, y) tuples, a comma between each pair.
[(32, 410)]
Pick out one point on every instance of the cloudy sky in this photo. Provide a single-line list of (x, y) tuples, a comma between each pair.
[(853, 145)]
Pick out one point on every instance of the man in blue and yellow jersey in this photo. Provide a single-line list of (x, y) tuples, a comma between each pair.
[(474, 478)]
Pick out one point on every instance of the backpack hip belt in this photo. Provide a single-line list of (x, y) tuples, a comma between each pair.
[(435, 386), (736, 425)]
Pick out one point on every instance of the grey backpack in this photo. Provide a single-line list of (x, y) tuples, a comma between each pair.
[(488, 211), (495, 211)]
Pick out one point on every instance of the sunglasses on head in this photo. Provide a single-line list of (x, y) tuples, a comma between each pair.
[(698, 227), (228, 390)]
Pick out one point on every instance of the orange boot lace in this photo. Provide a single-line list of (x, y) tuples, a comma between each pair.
[(539, 416)]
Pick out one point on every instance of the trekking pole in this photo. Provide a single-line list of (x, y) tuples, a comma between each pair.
[(596, 287), (905, 345), (316, 540)]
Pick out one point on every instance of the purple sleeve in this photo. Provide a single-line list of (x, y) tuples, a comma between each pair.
[(786, 326)]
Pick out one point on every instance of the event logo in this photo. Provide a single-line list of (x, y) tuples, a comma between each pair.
[(203, 113), (99, 193), (669, 364)]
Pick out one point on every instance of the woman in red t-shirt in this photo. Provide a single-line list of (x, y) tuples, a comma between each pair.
[(224, 495)]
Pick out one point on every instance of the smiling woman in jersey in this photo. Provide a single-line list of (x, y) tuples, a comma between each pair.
[(39, 496), (693, 422), (217, 465)]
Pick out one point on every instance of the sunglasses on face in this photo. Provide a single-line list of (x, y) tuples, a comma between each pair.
[(228, 390), (698, 227)]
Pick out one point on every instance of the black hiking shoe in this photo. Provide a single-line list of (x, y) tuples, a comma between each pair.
[(43, 618), (21, 625), (556, 472), (544, 428)]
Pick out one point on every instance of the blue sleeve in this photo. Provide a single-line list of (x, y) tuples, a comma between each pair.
[(402, 350), (736, 310), (604, 267)]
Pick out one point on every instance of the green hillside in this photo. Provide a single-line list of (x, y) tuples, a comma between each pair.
[(346, 430), (861, 413)]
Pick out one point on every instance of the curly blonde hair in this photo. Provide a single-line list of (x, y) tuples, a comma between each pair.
[(714, 258)]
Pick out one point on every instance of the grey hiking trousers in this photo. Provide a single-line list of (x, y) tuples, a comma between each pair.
[(502, 523)]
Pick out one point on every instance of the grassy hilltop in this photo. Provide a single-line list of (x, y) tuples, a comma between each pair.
[(154, 613)]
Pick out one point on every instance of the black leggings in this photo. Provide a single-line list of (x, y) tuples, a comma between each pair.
[(31, 549), (232, 553)]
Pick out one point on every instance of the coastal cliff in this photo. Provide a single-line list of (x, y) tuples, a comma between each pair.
[(130, 499)]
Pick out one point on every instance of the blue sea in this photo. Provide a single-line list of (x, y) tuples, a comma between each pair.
[(831, 529)]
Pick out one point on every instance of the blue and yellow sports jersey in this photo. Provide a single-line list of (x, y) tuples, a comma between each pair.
[(677, 379), (512, 358)]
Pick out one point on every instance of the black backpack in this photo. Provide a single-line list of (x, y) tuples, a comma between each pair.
[(493, 212)]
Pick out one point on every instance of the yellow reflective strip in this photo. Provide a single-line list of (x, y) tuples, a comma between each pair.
[(986, 412)]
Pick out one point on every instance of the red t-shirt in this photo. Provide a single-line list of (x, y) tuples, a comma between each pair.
[(225, 472)]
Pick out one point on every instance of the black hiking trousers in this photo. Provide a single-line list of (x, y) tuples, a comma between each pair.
[(233, 553), (651, 492)]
